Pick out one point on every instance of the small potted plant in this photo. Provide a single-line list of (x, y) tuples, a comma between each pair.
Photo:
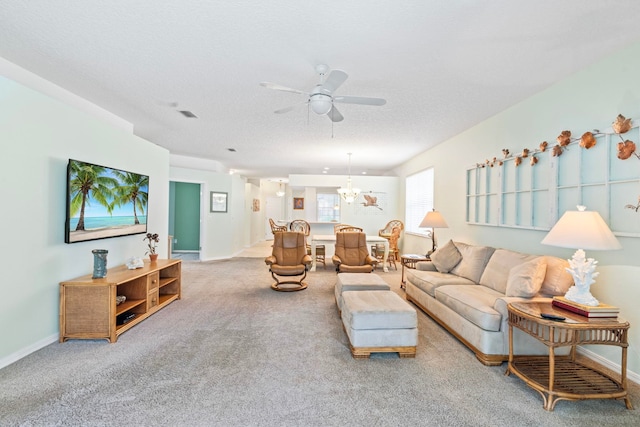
[(152, 244)]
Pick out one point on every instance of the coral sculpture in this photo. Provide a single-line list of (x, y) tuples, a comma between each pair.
[(584, 273)]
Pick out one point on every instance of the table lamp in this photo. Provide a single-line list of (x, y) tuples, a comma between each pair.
[(581, 230), (433, 220)]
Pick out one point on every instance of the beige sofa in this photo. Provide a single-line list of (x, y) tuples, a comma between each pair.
[(466, 289)]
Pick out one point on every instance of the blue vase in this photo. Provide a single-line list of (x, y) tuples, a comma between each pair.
[(99, 263)]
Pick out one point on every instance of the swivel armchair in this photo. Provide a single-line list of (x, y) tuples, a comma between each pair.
[(289, 260), (351, 255)]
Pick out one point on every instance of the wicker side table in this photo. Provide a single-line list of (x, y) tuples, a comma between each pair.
[(409, 261), (563, 378)]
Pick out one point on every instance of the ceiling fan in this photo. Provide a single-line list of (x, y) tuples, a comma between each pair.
[(321, 99)]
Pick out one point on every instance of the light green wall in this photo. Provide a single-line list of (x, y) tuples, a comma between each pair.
[(589, 99), (39, 135)]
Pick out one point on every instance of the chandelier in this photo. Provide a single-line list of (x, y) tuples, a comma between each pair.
[(280, 192), (349, 194)]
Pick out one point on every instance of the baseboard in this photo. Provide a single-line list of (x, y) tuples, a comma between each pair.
[(631, 376), (222, 258), (6, 361)]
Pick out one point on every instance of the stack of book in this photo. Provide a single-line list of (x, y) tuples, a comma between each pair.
[(601, 310)]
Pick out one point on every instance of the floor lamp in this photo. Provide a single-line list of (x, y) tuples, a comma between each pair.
[(433, 220)]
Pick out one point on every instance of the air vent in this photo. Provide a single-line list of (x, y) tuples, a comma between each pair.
[(188, 114)]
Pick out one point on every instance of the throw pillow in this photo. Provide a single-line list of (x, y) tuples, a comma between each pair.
[(446, 257), (474, 260), (525, 280), (558, 280)]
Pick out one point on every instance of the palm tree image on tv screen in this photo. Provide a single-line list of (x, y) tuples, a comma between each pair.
[(104, 202)]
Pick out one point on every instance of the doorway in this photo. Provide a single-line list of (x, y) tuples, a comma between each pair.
[(275, 210), (184, 219)]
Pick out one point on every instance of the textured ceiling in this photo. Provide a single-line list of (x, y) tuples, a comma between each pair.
[(442, 67)]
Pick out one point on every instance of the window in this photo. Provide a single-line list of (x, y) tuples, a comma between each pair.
[(534, 195), (419, 200), (328, 206)]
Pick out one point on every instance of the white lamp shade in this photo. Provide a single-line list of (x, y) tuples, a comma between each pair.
[(582, 229), (321, 104), (433, 219)]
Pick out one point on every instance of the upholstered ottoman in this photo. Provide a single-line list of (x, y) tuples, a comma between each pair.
[(379, 322), (358, 282)]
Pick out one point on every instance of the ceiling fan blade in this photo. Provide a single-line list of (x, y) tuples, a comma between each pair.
[(335, 80), (334, 115), (290, 108), (275, 86), (363, 100)]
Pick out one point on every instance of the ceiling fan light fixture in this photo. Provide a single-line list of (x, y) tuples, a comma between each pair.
[(321, 99), (320, 103)]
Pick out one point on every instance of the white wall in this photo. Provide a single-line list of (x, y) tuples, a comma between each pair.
[(589, 99), (39, 134), (222, 233), (254, 220), (370, 219)]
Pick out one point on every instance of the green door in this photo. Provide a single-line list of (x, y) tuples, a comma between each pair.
[(186, 221)]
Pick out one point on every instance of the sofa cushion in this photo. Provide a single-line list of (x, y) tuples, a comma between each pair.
[(525, 280), (496, 273), (425, 266), (558, 280), (474, 303), (429, 281), (474, 260), (446, 257)]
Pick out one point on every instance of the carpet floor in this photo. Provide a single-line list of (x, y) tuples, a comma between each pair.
[(232, 352)]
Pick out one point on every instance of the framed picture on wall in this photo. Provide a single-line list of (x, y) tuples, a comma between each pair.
[(298, 203), (218, 202), (256, 205)]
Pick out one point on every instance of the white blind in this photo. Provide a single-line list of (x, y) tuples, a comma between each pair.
[(419, 200), (327, 206)]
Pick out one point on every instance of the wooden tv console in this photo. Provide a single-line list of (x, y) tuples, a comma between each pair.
[(88, 308)]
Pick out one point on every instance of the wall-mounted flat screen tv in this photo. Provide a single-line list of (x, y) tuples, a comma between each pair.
[(104, 202)]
